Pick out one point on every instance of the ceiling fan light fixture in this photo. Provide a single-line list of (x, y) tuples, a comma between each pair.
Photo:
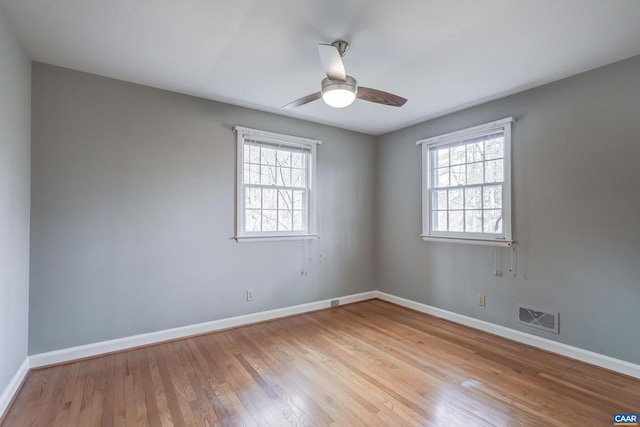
[(338, 93)]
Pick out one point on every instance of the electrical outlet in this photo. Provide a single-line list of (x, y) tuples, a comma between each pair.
[(482, 300), (249, 295)]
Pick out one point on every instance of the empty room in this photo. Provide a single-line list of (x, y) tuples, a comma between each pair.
[(314, 213)]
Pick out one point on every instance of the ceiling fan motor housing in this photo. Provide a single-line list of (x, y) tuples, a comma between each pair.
[(349, 84)]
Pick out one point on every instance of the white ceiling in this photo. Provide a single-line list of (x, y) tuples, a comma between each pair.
[(443, 55)]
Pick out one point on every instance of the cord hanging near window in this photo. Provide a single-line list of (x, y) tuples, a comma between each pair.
[(493, 258), (514, 259)]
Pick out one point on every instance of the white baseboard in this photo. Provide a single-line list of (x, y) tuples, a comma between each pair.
[(104, 347), (590, 357), (12, 388)]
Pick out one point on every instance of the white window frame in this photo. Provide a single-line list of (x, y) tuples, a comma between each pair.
[(243, 135), (428, 234)]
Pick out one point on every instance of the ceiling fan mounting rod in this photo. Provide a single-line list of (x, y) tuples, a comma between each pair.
[(342, 46)]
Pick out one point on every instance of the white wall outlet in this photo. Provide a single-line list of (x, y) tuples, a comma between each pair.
[(249, 295), (482, 300)]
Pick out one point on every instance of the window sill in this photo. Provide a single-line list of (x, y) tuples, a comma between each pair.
[(469, 241), (254, 239)]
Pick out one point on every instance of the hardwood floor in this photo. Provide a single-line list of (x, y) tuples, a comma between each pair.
[(365, 364)]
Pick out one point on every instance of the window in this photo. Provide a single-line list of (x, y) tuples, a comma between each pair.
[(276, 196), (466, 181)]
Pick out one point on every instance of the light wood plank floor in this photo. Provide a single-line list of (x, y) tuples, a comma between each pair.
[(365, 364)]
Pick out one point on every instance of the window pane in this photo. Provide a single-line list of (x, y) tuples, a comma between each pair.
[(284, 177), (284, 220), (269, 220), (458, 155), (269, 198), (298, 200), (252, 198), (442, 157), (473, 221), (268, 175), (298, 221), (493, 221), (456, 199), (456, 221), (283, 158), (252, 220), (285, 199), (442, 177), (458, 175), (252, 154), (474, 173), (494, 171), (492, 197), (268, 156), (439, 221), (439, 200), (475, 152), (246, 174), (297, 178), (251, 174), (472, 198), (495, 148), (297, 160)]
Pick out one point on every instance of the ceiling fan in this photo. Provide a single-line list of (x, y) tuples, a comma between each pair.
[(340, 90)]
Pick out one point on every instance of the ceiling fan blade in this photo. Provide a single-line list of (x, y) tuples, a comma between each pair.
[(332, 62), (304, 100), (380, 97)]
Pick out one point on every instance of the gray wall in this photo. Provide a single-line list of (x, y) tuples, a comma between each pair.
[(134, 209), (576, 148), (15, 102), (133, 213)]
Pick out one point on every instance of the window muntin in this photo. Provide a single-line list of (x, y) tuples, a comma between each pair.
[(466, 184), (276, 197)]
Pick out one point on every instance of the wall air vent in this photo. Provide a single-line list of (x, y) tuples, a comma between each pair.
[(537, 318)]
